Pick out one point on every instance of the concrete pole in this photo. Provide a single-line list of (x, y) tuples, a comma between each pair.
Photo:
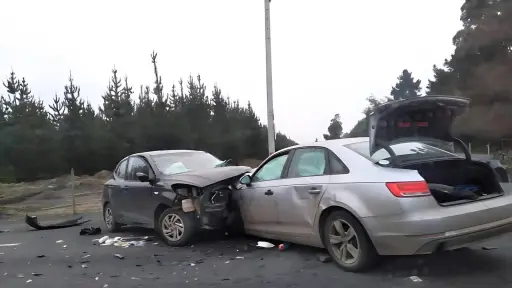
[(270, 98)]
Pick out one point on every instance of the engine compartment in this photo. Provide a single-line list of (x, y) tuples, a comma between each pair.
[(213, 205), (458, 180)]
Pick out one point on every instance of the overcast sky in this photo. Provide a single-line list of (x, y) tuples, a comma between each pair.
[(328, 55)]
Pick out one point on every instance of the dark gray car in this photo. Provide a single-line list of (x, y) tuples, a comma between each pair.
[(161, 189)]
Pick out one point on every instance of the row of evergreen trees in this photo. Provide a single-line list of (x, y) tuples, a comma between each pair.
[(39, 141)]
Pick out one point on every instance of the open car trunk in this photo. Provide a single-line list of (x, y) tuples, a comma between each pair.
[(456, 181), (407, 133)]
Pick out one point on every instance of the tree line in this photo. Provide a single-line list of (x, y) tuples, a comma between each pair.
[(479, 68), (42, 141)]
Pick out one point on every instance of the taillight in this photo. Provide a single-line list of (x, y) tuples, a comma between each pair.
[(409, 189)]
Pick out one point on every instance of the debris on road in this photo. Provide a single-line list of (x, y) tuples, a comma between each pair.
[(415, 279), (29, 280), (34, 223), (489, 248), (37, 274), (59, 241), (119, 256), (84, 266), (324, 258), (264, 244), (9, 245), (90, 231), (40, 256), (123, 241), (3, 230), (284, 246)]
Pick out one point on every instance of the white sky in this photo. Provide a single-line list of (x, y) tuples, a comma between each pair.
[(328, 55)]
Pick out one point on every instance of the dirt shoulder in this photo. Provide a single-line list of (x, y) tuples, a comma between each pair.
[(53, 196)]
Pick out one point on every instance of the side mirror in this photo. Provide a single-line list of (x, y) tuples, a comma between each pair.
[(142, 177), (246, 180)]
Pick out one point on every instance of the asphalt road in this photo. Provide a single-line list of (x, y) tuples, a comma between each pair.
[(213, 262)]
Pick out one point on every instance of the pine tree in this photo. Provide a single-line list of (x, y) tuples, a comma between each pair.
[(406, 87)]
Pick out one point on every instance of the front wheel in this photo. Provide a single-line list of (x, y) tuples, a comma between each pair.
[(177, 228), (348, 243)]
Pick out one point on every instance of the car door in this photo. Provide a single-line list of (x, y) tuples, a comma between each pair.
[(139, 195), (258, 204), (116, 194), (306, 181)]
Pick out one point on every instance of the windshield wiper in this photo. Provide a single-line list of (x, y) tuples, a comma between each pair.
[(223, 163)]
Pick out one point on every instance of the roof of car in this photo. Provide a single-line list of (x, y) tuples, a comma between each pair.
[(160, 152), (331, 143)]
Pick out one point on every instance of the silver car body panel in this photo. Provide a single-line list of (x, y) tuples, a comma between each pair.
[(396, 226)]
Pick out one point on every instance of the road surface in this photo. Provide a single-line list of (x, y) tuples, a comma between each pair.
[(217, 261)]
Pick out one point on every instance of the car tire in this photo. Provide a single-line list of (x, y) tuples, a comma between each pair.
[(342, 252), (169, 223), (110, 222)]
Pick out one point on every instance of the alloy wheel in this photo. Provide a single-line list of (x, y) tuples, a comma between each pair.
[(344, 241), (108, 217), (172, 227)]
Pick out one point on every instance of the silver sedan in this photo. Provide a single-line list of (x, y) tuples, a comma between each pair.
[(394, 193)]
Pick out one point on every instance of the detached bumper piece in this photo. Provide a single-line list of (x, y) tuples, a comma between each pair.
[(34, 223)]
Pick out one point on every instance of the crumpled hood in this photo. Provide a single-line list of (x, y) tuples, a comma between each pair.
[(205, 177)]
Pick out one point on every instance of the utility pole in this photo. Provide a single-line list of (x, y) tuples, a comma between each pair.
[(270, 99)]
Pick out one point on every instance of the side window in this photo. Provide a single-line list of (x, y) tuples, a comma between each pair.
[(121, 169), (308, 162), (137, 164), (337, 167), (272, 170)]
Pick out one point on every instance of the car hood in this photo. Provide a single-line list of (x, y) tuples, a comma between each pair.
[(425, 117), (205, 177)]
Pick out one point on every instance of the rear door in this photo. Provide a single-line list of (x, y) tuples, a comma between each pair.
[(258, 202), (139, 195), (306, 181)]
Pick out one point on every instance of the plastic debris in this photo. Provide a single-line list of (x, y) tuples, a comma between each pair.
[(119, 256), (284, 246), (40, 256), (239, 257), (90, 231), (59, 241), (324, 258), (489, 248), (264, 244), (124, 242), (34, 223), (37, 274), (84, 266), (415, 279), (86, 256), (29, 280), (102, 239), (20, 276), (9, 245), (64, 246)]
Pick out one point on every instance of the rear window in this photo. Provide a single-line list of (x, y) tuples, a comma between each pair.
[(409, 150)]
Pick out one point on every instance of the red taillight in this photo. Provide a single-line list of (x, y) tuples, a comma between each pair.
[(409, 189)]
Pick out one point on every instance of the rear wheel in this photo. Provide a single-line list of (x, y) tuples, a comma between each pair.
[(110, 222), (348, 243), (176, 227)]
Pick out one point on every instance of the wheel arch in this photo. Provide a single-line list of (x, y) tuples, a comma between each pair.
[(328, 211), (158, 211)]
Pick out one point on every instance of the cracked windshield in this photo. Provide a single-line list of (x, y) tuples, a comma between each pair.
[(255, 143)]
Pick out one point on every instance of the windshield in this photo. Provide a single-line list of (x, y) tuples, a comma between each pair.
[(413, 150), (180, 162)]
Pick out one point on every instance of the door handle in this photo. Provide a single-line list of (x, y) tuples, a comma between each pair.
[(314, 191), (269, 192)]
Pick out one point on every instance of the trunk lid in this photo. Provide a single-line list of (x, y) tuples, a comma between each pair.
[(428, 117)]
